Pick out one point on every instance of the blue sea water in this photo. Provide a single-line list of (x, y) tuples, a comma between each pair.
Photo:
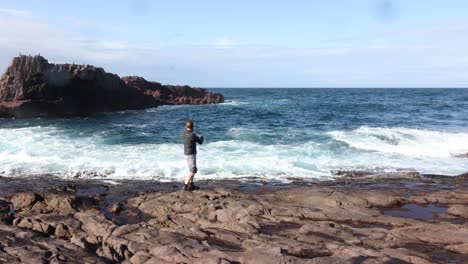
[(263, 133)]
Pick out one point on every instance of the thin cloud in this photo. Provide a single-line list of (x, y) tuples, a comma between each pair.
[(225, 42), (34, 36), (14, 12), (393, 58)]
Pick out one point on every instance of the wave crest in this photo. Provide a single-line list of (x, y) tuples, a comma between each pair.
[(52, 150), (405, 141)]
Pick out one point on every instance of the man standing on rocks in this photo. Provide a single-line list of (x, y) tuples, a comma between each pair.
[(190, 151)]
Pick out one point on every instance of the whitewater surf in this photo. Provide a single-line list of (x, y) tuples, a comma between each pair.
[(258, 133)]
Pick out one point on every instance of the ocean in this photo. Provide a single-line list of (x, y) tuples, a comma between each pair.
[(262, 134)]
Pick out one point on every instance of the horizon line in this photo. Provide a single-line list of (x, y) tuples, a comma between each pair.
[(341, 87)]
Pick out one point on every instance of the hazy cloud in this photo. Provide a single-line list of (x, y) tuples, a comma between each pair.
[(433, 55), (14, 12), (225, 42)]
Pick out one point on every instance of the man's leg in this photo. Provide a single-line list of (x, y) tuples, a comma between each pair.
[(189, 178), (192, 162), (191, 185), (193, 168)]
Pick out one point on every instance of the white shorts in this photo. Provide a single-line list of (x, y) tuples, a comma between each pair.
[(192, 163)]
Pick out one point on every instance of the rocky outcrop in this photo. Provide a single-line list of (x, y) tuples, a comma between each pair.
[(172, 94), (313, 224), (26, 246), (32, 87)]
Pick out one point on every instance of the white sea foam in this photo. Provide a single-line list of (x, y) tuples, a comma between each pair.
[(405, 141), (234, 103), (49, 150), (243, 133)]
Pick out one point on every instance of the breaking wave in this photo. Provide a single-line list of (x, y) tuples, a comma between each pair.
[(50, 150), (270, 134), (405, 141)]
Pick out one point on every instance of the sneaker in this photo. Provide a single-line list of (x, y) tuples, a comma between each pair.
[(193, 187), (186, 187)]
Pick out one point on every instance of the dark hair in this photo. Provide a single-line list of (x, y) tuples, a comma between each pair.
[(189, 125)]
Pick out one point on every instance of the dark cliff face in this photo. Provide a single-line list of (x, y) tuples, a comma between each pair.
[(31, 87), (5, 114)]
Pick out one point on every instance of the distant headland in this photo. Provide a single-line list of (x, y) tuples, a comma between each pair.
[(33, 87)]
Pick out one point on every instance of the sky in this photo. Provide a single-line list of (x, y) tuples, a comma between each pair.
[(256, 43)]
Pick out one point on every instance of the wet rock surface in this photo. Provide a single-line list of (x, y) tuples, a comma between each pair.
[(228, 222), (6, 211)]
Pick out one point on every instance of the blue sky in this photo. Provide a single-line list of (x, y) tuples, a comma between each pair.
[(295, 43)]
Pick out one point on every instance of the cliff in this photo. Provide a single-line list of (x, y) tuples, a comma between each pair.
[(32, 87), (173, 94)]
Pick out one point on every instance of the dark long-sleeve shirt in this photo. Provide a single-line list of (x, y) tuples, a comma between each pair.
[(190, 142)]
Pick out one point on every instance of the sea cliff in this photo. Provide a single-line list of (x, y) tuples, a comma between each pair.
[(33, 87)]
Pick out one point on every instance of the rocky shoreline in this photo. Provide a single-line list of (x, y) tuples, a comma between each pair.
[(359, 220)]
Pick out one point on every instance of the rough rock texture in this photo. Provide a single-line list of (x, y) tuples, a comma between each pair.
[(173, 95), (6, 214), (31, 87), (340, 223), (25, 246)]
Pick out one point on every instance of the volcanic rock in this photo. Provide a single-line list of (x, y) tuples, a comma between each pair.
[(25, 200), (329, 223), (173, 94), (5, 212), (458, 210), (33, 87), (25, 246)]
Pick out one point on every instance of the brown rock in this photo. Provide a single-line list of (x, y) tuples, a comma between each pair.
[(62, 203), (461, 248), (458, 210), (140, 257), (309, 224), (25, 200), (31, 87), (173, 94), (116, 208), (23, 246), (61, 231)]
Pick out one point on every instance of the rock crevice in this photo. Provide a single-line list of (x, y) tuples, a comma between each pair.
[(315, 224)]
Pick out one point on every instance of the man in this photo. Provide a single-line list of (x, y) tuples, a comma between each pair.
[(190, 151)]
